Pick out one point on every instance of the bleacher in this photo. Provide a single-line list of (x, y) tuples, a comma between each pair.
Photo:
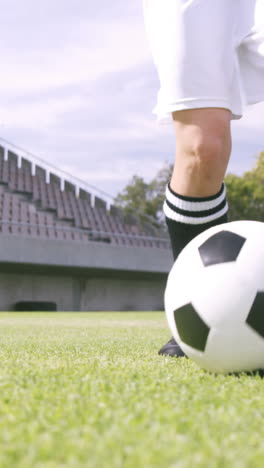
[(36, 202)]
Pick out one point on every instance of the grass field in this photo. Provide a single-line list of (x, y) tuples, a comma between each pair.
[(89, 390)]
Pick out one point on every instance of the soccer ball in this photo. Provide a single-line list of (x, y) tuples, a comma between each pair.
[(214, 298)]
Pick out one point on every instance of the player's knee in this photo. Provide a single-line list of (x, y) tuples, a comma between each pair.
[(206, 154), (207, 150)]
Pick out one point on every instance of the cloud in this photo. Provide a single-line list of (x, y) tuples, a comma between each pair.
[(48, 54), (78, 85)]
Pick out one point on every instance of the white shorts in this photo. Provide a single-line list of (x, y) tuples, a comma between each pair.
[(208, 53)]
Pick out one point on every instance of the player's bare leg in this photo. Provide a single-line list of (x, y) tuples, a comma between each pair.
[(203, 146), (195, 197)]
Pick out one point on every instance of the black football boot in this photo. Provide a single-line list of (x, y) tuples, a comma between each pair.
[(172, 349)]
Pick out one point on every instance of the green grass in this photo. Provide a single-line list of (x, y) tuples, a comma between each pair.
[(89, 390)]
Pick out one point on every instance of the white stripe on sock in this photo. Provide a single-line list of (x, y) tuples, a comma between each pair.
[(194, 205), (169, 213)]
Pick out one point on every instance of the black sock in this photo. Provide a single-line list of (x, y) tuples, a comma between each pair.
[(186, 217)]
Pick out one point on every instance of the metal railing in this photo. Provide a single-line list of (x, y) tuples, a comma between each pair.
[(65, 177), (50, 168)]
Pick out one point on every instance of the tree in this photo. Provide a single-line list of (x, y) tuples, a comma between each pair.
[(246, 193), (145, 199)]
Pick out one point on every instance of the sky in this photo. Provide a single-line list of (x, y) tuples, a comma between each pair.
[(77, 89)]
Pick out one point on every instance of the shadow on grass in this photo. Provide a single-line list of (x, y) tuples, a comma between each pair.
[(255, 373)]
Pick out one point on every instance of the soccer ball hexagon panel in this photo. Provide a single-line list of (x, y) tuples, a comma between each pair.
[(214, 299)]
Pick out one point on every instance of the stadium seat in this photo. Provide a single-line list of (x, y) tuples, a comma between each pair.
[(31, 206)]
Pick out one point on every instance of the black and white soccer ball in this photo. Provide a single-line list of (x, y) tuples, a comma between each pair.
[(214, 299)]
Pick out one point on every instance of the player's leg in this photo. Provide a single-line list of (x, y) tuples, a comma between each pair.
[(193, 47), (195, 196), (203, 137)]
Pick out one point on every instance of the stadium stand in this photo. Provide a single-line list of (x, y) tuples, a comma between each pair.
[(55, 225), (32, 206)]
